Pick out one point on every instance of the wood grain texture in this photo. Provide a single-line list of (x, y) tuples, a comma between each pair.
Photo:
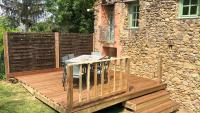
[(57, 49), (114, 76), (39, 51), (48, 88), (102, 77), (95, 79), (6, 54), (88, 82), (80, 83), (69, 88)]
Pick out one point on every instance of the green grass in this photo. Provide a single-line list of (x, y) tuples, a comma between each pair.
[(14, 98)]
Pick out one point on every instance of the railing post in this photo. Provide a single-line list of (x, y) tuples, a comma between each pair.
[(57, 49), (69, 88), (6, 54), (120, 74), (102, 77), (88, 82), (80, 84), (127, 64), (95, 79), (108, 72), (114, 76), (160, 69)]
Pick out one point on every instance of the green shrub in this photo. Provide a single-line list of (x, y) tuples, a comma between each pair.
[(5, 26), (2, 72)]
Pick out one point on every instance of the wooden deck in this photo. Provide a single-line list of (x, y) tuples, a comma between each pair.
[(47, 87)]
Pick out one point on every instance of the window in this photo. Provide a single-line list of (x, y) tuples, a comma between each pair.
[(133, 15), (189, 8)]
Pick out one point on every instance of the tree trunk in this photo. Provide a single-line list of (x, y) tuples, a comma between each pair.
[(26, 28)]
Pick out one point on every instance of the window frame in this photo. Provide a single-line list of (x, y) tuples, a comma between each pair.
[(181, 6), (130, 14)]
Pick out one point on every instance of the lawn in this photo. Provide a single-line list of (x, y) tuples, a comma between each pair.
[(14, 98)]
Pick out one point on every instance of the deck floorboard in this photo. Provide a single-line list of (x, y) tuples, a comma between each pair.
[(48, 88)]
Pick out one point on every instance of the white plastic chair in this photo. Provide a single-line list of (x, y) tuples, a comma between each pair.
[(96, 53)]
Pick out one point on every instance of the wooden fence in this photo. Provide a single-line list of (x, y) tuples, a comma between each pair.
[(77, 44), (38, 51)]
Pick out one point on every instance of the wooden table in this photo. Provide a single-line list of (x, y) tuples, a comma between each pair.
[(84, 58)]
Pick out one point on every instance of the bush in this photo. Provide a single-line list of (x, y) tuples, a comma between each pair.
[(2, 72), (2, 68), (5, 26)]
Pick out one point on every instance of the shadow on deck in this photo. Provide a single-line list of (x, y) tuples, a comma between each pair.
[(47, 87)]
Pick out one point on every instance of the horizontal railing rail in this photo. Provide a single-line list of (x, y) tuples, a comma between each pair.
[(103, 78)]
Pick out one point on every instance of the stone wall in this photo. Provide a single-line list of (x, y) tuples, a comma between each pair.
[(162, 32)]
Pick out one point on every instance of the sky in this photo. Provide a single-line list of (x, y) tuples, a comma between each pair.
[(0, 8)]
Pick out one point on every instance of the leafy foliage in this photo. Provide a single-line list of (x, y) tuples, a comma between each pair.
[(71, 15), (4, 27), (45, 26), (26, 12)]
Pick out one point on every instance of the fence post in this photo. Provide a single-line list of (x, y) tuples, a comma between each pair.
[(6, 54), (57, 49), (160, 69)]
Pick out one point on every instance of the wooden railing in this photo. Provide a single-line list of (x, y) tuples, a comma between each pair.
[(104, 78)]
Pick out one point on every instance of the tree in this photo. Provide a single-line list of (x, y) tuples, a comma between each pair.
[(72, 15), (26, 12), (44, 26)]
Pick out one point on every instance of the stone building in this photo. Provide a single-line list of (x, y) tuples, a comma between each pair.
[(147, 29)]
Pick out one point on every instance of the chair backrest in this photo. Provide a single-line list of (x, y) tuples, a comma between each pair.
[(96, 53), (76, 72), (71, 56), (66, 57)]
